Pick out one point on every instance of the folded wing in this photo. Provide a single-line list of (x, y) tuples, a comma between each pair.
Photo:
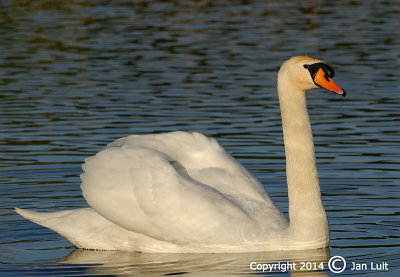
[(178, 187)]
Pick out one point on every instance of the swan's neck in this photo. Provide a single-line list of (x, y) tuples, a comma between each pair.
[(308, 222)]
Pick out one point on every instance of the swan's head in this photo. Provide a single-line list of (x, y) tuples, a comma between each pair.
[(306, 73)]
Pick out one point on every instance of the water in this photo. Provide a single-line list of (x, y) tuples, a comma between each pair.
[(75, 75)]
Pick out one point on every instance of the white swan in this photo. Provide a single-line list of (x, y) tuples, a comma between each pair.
[(181, 192)]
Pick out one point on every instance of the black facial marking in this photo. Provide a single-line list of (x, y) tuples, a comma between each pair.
[(313, 69)]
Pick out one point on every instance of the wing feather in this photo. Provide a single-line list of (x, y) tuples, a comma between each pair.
[(178, 187), (138, 189), (198, 155)]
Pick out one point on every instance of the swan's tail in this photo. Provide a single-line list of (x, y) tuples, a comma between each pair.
[(43, 219), (59, 222), (70, 224), (83, 227)]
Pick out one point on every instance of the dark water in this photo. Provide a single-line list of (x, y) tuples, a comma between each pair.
[(75, 75)]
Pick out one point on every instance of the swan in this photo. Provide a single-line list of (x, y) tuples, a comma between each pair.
[(182, 192)]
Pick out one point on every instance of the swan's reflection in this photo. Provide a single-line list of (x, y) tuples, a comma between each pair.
[(145, 264)]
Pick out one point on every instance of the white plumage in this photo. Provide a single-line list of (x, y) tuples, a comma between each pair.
[(181, 192)]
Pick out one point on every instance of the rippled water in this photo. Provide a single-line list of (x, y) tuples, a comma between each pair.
[(75, 75)]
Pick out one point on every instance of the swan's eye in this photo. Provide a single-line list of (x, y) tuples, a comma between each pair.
[(305, 66)]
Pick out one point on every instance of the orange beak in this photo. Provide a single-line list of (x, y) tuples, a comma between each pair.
[(322, 80)]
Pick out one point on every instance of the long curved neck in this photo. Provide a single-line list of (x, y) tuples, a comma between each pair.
[(308, 222)]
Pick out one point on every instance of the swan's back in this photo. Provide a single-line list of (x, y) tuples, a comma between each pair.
[(200, 157), (181, 188)]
